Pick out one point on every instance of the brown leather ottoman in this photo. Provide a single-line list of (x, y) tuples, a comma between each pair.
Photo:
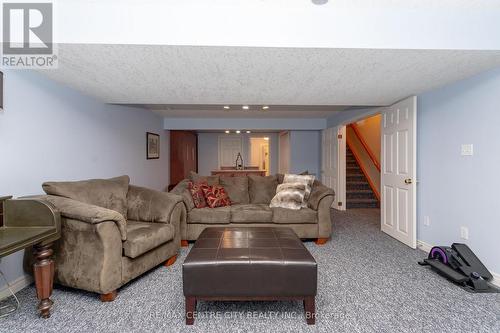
[(248, 264)]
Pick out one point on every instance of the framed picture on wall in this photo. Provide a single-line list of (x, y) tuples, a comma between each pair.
[(153, 146)]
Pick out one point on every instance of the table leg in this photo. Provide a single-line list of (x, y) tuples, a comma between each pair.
[(190, 309), (44, 277), (310, 310)]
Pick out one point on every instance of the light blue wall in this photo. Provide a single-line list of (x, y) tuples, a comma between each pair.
[(51, 132), (455, 190), (208, 150), (269, 124), (305, 152)]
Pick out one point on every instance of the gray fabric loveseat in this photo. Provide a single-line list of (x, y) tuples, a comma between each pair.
[(112, 232), (250, 197)]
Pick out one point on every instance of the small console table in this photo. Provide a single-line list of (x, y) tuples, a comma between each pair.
[(33, 223)]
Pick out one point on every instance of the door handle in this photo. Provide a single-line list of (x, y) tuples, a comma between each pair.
[(408, 181)]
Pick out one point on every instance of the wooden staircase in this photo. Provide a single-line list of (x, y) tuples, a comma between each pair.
[(359, 192)]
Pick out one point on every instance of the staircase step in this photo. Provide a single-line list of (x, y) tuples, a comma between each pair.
[(357, 185), (360, 194), (357, 177), (362, 203), (352, 168)]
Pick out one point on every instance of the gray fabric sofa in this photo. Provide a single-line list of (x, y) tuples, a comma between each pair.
[(250, 197), (112, 232)]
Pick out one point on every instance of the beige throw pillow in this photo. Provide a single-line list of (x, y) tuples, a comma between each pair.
[(307, 180), (289, 195)]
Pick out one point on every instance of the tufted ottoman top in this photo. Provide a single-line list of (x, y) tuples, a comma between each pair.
[(249, 262)]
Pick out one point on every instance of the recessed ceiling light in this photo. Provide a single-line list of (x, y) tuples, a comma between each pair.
[(266, 138), (227, 107), (265, 107), (319, 2), (245, 107), (248, 132), (238, 132), (227, 132)]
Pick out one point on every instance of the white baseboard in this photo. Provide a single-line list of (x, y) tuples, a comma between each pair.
[(496, 279), (427, 248), (424, 246), (16, 285)]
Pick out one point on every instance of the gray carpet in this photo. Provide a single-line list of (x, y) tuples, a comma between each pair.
[(368, 282)]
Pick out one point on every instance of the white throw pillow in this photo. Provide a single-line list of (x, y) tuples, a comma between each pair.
[(289, 195), (307, 180)]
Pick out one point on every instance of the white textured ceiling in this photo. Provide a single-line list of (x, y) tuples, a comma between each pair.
[(136, 74)]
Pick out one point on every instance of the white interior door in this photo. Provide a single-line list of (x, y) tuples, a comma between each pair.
[(398, 176), (229, 147), (284, 152), (333, 163)]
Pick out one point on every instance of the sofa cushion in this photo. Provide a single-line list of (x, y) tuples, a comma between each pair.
[(210, 180), (280, 177), (197, 194), (145, 236), (210, 215), (262, 189), (236, 188), (252, 213), (289, 195), (106, 193), (216, 196), (289, 216)]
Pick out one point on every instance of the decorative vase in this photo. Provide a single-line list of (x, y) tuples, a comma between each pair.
[(239, 162)]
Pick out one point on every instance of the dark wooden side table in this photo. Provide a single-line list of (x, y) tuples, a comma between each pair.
[(32, 223)]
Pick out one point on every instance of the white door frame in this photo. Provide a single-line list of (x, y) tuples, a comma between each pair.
[(333, 165), (341, 171)]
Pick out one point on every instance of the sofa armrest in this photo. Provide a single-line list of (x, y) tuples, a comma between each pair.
[(86, 213), (318, 193), (150, 205), (321, 200), (182, 190)]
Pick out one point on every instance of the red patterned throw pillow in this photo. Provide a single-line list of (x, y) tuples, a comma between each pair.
[(197, 194), (216, 196)]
